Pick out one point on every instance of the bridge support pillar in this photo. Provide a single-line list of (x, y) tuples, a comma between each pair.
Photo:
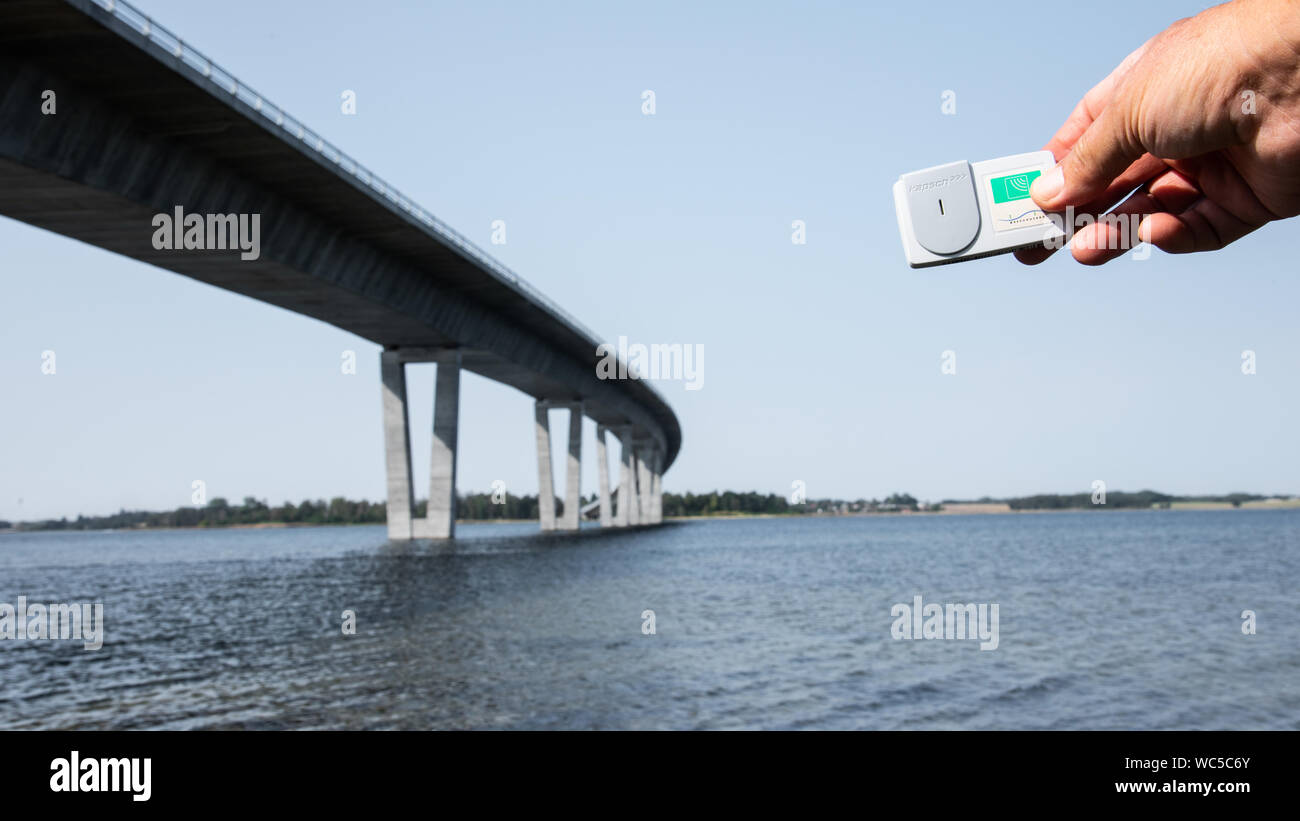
[(573, 467), (602, 462), (621, 516), (397, 445), (656, 487), (441, 519), (545, 481), (643, 457), (627, 501), (573, 471)]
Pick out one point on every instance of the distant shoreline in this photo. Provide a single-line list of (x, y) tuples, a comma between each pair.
[(963, 509), (1292, 504), (257, 514)]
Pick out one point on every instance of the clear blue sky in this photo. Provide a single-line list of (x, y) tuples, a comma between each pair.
[(822, 360)]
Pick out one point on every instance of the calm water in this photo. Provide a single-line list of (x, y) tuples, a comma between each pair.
[(1107, 620)]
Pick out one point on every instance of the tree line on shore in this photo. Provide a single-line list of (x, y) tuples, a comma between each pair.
[(337, 511), (471, 506), (486, 507), (1119, 499)]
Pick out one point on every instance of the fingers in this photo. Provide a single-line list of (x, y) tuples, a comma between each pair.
[(1081, 118), (1221, 211), (1145, 168), (1205, 226), (1099, 156), (1115, 233), (1171, 213), (1033, 256), (1097, 141)]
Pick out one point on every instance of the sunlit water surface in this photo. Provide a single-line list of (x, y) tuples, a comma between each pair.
[(1106, 620)]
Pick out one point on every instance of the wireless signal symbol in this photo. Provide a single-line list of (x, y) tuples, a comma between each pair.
[(1013, 186)]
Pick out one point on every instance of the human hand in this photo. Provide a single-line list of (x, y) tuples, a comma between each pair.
[(1204, 117)]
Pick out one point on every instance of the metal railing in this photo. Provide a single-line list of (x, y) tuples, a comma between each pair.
[(170, 44)]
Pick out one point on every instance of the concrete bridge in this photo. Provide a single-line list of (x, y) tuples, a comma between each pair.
[(108, 120)]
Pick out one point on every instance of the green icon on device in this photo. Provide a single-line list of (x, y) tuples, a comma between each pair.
[(1013, 186)]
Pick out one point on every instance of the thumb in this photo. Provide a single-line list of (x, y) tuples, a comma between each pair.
[(1101, 154)]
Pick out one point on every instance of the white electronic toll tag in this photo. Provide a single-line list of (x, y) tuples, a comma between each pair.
[(962, 210)]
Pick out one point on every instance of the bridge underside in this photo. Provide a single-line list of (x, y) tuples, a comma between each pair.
[(114, 224)]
